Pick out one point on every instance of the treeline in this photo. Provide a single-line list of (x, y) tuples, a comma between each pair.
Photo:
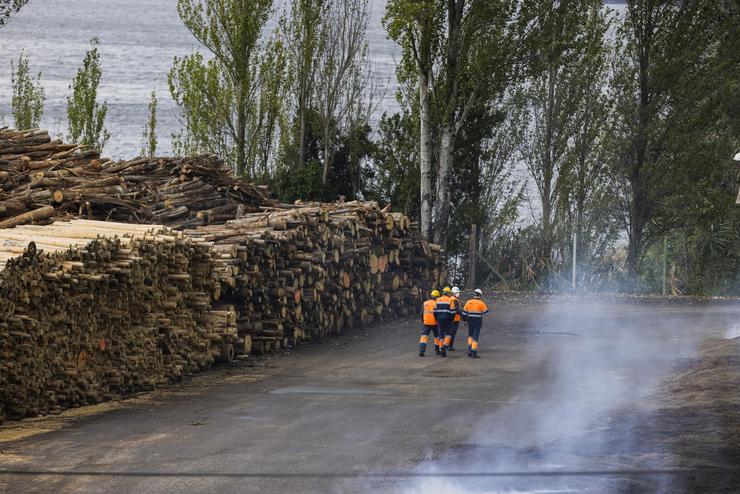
[(564, 130)]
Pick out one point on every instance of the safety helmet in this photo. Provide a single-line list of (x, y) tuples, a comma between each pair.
[(478, 292), (446, 289), (455, 291), (435, 293)]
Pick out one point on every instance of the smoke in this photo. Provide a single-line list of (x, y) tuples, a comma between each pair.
[(598, 360), (733, 332)]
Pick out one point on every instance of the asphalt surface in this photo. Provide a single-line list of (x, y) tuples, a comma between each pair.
[(363, 413)]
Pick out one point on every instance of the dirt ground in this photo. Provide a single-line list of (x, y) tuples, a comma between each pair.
[(569, 395)]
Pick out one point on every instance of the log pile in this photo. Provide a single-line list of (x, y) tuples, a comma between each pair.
[(41, 179), (90, 311), (306, 271)]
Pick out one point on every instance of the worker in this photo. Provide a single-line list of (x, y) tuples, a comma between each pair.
[(429, 324), (455, 318), (444, 315), (473, 313)]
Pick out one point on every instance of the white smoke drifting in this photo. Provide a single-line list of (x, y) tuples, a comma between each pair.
[(599, 358)]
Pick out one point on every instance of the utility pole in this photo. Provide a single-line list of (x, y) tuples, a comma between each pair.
[(575, 255), (472, 256)]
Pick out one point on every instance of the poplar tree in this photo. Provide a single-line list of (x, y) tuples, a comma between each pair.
[(223, 99), (28, 98), (149, 137), (85, 116)]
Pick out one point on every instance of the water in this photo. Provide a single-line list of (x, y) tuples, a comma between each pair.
[(139, 39)]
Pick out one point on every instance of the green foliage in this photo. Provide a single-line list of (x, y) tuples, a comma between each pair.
[(85, 116), (232, 103), (349, 174), (149, 138), (205, 97), (395, 179), (28, 95)]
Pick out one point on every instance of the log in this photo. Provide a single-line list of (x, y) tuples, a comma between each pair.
[(39, 214)]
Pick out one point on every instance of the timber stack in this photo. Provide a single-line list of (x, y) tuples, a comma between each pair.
[(42, 179), (92, 310), (309, 270)]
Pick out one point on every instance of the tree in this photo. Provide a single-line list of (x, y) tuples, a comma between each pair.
[(565, 39), (480, 53), (457, 53), (660, 74), (221, 98), (396, 179), (85, 116), (416, 25), (149, 138), (28, 98), (344, 82), (302, 34), (8, 8), (588, 199)]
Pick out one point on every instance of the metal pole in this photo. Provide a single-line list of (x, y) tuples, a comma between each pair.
[(665, 261), (472, 256), (575, 247)]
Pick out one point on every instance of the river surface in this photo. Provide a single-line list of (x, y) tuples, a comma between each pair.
[(139, 39)]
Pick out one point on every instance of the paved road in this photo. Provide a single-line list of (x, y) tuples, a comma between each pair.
[(345, 415)]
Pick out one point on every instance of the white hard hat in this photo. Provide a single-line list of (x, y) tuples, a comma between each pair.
[(479, 292), (455, 290)]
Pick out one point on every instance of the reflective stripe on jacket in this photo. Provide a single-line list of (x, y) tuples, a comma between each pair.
[(443, 311), (427, 314), (475, 308)]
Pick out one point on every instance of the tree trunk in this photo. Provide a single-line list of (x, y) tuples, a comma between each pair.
[(446, 152), (241, 140), (302, 136), (327, 159), (425, 157)]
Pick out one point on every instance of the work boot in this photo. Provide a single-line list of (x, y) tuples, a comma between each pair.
[(436, 350), (421, 354), (473, 355), (443, 353)]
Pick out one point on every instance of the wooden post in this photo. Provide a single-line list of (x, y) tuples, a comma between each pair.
[(575, 247), (472, 256), (665, 262)]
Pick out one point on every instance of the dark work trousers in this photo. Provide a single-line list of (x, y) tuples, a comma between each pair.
[(445, 328), (455, 326), (474, 326), (425, 330)]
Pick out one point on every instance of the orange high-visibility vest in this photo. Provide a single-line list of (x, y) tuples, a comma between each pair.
[(456, 308), (475, 308), (427, 316)]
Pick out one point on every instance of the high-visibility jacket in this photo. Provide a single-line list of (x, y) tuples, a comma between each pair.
[(427, 312), (458, 310), (443, 312), (474, 309)]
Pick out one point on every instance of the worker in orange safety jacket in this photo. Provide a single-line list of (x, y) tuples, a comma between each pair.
[(444, 313), (429, 324), (456, 318), (473, 313)]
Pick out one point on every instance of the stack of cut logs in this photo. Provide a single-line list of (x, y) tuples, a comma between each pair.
[(41, 179), (92, 310), (310, 270)]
